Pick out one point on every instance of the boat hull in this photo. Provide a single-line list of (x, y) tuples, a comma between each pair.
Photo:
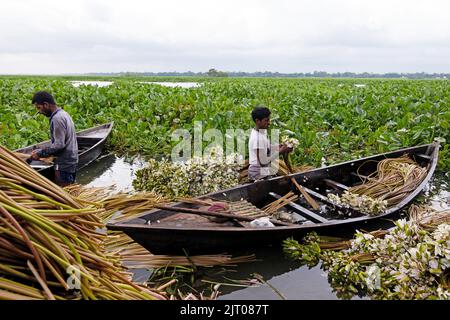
[(163, 231), (178, 241), (91, 143)]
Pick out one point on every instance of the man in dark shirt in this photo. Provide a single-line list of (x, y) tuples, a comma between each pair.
[(64, 144)]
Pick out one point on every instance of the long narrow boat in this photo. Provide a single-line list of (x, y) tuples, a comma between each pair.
[(164, 230), (90, 145)]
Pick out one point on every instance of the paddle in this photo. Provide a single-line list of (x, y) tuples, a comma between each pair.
[(308, 198)]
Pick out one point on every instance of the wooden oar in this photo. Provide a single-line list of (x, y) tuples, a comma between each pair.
[(308, 198), (216, 214)]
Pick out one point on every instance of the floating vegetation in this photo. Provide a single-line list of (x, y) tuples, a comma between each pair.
[(195, 177), (410, 261), (334, 119), (162, 177)]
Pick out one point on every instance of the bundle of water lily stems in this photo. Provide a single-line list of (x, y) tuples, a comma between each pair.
[(124, 206), (49, 242), (393, 181)]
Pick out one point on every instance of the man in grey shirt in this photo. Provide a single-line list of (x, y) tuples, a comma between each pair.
[(64, 146)]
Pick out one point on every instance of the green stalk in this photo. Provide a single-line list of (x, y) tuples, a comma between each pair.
[(20, 288), (41, 281), (26, 239), (38, 196), (45, 223), (50, 190)]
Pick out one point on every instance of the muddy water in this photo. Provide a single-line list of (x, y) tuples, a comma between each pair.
[(284, 278)]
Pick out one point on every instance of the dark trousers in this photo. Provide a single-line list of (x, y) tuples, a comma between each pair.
[(64, 178)]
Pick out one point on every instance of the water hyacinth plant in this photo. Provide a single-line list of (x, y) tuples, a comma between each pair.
[(335, 120)]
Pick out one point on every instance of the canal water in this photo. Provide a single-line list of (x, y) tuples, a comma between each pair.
[(185, 85), (282, 277)]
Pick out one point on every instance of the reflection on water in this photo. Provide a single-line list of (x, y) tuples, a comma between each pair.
[(437, 192), (176, 84), (91, 83), (110, 170), (165, 84), (291, 279), (300, 283), (284, 277)]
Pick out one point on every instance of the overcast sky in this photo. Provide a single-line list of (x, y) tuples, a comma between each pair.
[(68, 36)]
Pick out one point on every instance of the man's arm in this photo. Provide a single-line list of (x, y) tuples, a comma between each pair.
[(263, 159), (59, 143)]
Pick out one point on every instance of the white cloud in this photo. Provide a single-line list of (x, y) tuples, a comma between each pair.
[(50, 36)]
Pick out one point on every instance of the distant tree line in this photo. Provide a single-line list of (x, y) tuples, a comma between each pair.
[(268, 74)]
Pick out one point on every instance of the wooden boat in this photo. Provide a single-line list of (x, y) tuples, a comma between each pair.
[(166, 231), (90, 145)]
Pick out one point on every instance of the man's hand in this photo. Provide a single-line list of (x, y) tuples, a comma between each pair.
[(285, 149), (34, 154)]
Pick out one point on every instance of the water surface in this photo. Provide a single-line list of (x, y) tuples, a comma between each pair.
[(91, 83), (176, 84)]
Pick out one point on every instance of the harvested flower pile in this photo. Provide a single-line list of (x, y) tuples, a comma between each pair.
[(361, 203), (393, 181), (195, 177), (410, 261)]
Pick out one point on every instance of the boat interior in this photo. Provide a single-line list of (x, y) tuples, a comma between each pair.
[(252, 200)]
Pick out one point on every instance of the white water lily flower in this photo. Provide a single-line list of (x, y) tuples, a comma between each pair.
[(442, 232), (442, 293), (433, 264), (362, 203), (411, 262), (194, 177), (290, 142)]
